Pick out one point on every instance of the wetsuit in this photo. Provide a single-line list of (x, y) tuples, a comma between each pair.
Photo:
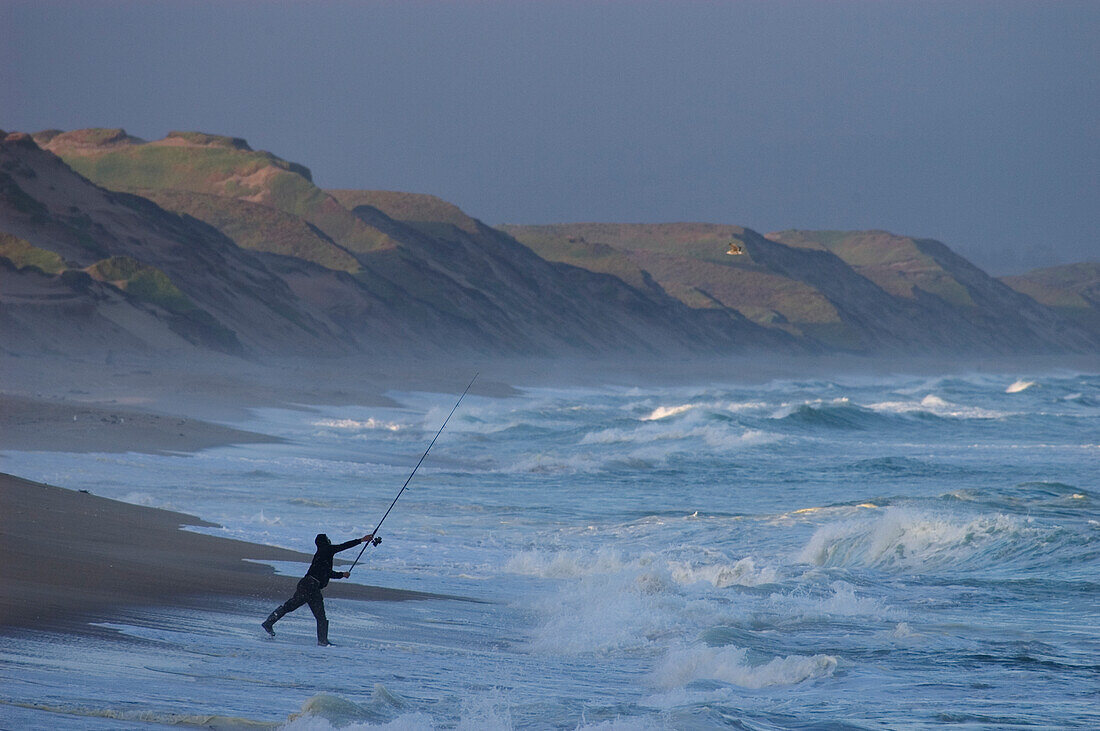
[(310, 586)]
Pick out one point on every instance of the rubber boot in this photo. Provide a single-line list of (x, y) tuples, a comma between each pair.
[(269, 623), (322, 633)]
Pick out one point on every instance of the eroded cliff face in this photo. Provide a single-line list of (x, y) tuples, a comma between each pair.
[(1072, 290), (956, 297), (123, 249), (865, 291), (249, 257)]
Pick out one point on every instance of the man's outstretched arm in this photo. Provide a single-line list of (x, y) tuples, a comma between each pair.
[(353, 542)]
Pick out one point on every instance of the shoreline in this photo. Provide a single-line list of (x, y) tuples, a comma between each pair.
[(63, 425), (72, 558), (70, 555)]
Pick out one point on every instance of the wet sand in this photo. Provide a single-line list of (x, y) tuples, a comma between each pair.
[(34, 424), (70, 558)]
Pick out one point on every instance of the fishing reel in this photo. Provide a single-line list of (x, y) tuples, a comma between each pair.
[(377, 540)]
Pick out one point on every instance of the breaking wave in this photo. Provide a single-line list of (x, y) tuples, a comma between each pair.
[(838, 601), (721, 575), (714, 409), (717, 436), (1020, 385), (578, 564), (389, 712), (935, 406), (914, 540), (663, 412), (607, 602), (731, 665), (839, 413), (1029, 498)]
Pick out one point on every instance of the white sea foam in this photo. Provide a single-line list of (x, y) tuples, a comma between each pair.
[(405, 722), (565, 564), (578, 564), (624, 724), (611, 602), (738, 406), (933, 404), (1020, 385), (663, 412), (326, 712), (791, 407), (357, 425), (721, 575), (262, 519), (624, 611), (731, 665), (816, 513), (145, 499), (715, 436), (903, 631), (551, 463), (842, 601)]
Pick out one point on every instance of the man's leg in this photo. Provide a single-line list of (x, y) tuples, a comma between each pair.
[(300, 597), (317, 606)]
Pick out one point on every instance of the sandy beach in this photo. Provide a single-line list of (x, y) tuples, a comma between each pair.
[(30, 424), (71, 558)]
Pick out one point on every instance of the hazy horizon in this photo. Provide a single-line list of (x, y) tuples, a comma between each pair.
[(973, 123)]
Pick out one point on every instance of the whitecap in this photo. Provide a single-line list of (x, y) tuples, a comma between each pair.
[(565, 564), (731, 665), (903, 631), (715, 436), (144, 499), (842, 602), (356, 425), (722, 575), (264, 520), (554, 463), (663, 412), (936, 406), (1020, 385), (906, 538), (790, 408)]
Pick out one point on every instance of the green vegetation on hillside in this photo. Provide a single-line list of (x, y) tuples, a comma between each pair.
[(142, 282), (578, 251), (204, 139), (90, 137), (689, 261), (216, 165), (407, 207), (188, 168), (258, 227), (897, 264), (1072, 289), (20, 253), (1070, 285)]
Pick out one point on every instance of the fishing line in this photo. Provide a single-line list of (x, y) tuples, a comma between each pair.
[(378, 540)]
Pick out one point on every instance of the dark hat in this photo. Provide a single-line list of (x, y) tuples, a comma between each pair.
[(322, 540)]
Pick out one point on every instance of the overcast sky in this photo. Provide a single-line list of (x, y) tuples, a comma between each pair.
[(977, 123)]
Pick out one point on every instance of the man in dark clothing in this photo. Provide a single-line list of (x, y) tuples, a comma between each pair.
[(310, 585)]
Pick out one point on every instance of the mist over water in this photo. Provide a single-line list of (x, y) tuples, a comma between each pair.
[(872, 552)]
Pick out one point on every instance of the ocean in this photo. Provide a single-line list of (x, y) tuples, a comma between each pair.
[(845, 552)]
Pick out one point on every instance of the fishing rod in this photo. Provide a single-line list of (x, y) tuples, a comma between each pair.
[(378, 540)]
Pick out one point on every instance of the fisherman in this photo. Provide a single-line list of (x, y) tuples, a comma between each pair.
[(316, 579)]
